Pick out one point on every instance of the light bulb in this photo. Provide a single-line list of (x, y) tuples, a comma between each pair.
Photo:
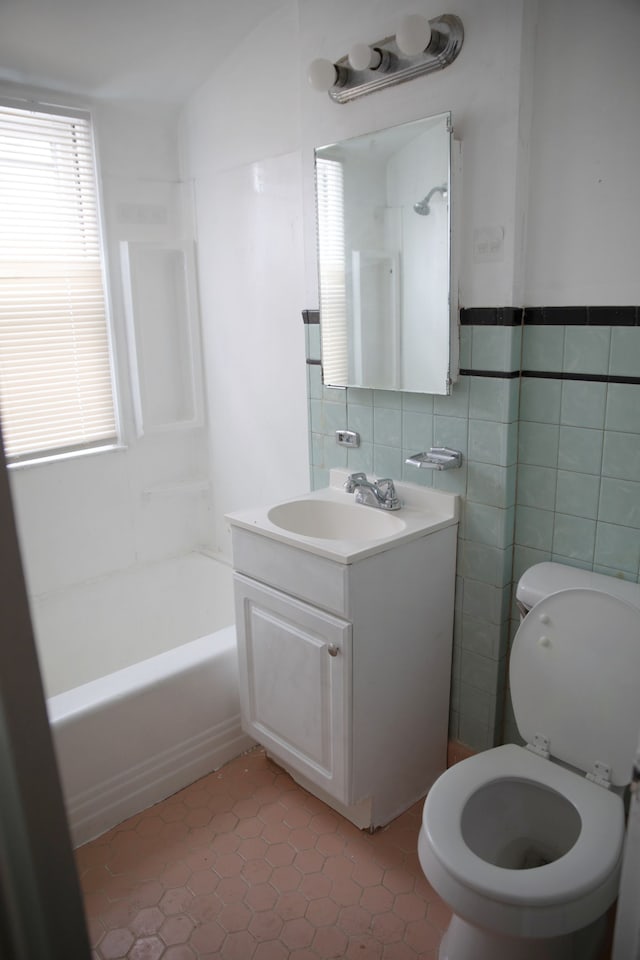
[(322, 74), (413, 35), (364, 57)]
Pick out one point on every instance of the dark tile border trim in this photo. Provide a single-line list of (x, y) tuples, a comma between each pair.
[(589, 377), (555, 316), (496, 374), (490, 316), (535, 316), (549, 375), (582, 316)]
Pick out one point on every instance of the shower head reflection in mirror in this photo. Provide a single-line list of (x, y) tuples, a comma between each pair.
[(422, 207)]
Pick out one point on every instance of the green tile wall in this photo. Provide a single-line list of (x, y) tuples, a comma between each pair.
[(579, 451), (551, 471)]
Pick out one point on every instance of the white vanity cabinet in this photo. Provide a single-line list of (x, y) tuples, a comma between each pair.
[(295, 689), (345, 666)]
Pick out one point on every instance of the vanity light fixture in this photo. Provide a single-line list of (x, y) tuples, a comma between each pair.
[(419, 46)]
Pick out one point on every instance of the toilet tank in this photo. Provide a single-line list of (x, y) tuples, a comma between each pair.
[(544, 578)]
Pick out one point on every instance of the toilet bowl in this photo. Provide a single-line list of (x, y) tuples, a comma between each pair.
[(525, 843)]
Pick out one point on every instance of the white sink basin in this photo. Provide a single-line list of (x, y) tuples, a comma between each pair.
[(328, 520), (329, 523)]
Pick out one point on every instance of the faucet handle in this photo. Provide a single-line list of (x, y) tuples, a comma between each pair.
[(386, 486), (387, 494), (353, 480)]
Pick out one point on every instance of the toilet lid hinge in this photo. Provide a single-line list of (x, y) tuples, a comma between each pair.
[(540, 746), (600, 774)]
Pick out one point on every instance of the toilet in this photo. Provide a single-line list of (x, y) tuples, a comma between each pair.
[(524, 843)]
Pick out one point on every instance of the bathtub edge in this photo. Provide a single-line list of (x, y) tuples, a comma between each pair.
[(96, 810)]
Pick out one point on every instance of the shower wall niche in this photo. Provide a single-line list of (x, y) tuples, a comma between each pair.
[(162, 332)]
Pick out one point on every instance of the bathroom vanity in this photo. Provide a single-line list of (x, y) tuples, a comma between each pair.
[(344, 642)]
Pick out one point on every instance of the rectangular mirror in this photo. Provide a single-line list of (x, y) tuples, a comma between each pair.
[(387, 312)]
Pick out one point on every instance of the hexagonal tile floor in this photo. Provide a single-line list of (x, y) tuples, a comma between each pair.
[(246, 865)]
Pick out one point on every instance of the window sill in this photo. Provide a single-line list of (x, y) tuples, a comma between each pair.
[(69, 455)]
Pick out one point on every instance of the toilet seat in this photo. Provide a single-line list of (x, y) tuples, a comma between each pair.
[(592, 862), (573, 674)]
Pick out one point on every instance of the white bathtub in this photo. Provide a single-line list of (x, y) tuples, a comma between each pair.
[(140, 704)]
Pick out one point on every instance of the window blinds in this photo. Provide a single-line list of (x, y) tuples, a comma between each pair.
[(56, 391), (332, 281)]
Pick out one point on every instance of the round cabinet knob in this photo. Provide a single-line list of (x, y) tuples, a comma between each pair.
[(544, 641), (333, 650), (544, 618)]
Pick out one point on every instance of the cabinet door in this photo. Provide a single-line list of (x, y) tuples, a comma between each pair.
[(295, 669)]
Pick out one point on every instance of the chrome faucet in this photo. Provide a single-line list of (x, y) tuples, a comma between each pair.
[(379, 493)]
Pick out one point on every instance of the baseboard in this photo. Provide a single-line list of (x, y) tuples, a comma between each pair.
[(457, 751), (109, 802)]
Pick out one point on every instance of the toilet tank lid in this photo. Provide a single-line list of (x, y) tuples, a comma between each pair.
[(543, 579)]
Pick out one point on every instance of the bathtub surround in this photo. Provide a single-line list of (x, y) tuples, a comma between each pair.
[(545, 414), (128, 617), (87, 517)]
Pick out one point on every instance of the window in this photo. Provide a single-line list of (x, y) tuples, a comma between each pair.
[(56, 388), (332, 280)]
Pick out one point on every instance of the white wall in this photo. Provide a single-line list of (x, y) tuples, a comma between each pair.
[(241, 149), (582, 238), (85, 517)]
